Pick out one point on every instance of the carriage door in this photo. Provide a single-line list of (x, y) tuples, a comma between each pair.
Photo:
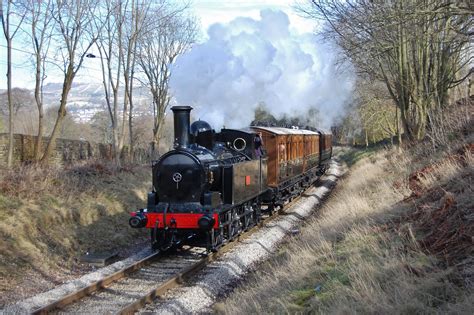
[(282, 157)]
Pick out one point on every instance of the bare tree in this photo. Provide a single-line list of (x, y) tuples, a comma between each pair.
[(117, 48), (415, 47), (109, 43), (19, 99), (41, 25), (77, 32), (100, 126), (135, 27), (24, 109), (9, 30), (172, 34), (376, 110)]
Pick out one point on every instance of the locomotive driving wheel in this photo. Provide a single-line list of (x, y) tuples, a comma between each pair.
[(217, 239), (257, 213), (251, 216), (234, 225), (245, 218)]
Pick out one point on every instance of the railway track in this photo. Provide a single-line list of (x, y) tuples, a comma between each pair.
[(129, 283), (139, 284), (132, 287)]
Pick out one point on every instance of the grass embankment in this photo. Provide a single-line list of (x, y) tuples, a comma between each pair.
[(50, 217), (394, 237)]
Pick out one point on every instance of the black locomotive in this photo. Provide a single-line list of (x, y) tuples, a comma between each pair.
[(213, 186)]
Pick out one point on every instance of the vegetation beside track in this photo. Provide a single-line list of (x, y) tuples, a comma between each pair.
[(49, 217), (394, 237)]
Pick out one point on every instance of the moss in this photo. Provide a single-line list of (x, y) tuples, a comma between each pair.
[(8, 205), (351, 157), (337, 276), (302, 296), (356, 245), (47, 202)]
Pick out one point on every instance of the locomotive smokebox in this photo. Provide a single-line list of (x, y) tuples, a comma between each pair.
[(181, 125)]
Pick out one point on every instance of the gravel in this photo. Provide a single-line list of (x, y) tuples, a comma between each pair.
[(37, 301), (130, 289), (218, 277)]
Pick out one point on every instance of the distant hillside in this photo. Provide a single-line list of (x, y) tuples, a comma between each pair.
[(86, 99)]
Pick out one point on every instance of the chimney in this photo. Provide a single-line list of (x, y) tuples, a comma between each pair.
[(181, 125)]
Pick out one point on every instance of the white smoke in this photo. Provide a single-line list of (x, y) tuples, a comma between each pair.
[(246, 62)]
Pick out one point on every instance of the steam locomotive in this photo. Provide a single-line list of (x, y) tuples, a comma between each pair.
[(213, 186)]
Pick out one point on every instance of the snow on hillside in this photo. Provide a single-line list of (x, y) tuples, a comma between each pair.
[(86, 99)]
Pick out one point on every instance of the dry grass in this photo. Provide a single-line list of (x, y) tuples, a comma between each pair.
[(367, 251), (51, 216)]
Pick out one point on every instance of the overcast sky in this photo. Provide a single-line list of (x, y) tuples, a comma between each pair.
[(207, 11)]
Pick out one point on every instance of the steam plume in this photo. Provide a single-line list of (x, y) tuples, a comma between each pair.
[(246, 62)]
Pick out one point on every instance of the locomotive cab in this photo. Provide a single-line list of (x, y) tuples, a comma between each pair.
[(245, 141)]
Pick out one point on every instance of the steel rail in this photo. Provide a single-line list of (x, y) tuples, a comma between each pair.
[(188, 272), (95, 286), (159, 291), (120, 274)]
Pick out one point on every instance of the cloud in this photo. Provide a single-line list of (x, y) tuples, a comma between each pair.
[(249, 61)]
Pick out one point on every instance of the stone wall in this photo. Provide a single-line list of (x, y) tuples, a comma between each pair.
[(66, 150)]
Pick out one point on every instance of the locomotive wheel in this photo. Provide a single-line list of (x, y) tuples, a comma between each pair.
[(247, 219), (231, 232), (234, 226), (218, 239), (257, 215), (250, 222)]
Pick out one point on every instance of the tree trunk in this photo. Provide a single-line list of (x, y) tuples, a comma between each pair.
[(39, 104), (130, 121), (39, 139), (61, 113), (124, 116), (115, 132), (399, 133), (130, 95), (126, 97), (10, 103)]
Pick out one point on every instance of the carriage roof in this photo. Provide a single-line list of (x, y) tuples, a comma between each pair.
[(286, 131)]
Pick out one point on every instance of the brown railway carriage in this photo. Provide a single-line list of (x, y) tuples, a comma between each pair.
[(292, 152), (325, 147)]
